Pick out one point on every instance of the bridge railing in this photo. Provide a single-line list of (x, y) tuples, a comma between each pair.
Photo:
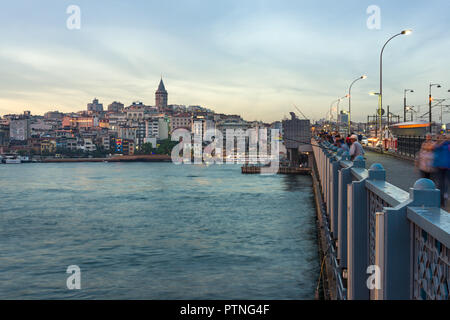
[(389, 244)]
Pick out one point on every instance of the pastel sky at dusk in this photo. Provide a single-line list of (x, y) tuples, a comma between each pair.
[(253, 58)]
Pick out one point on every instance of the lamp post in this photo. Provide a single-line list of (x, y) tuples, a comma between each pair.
[(411, 110), (404, 103), (430, 100), (350, 101), (380, 97), (337, 113), (378, 113)]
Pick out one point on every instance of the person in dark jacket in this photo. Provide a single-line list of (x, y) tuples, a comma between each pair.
[(442, 165)]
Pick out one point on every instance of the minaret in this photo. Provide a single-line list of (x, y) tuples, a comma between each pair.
[(161, 96)]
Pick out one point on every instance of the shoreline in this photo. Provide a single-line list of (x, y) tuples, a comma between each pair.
[(138, 158)]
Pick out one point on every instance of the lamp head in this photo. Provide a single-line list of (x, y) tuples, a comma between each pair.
[(364, 77), (406, 32)]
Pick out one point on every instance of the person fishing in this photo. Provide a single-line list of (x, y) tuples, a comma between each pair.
[(356, 148)]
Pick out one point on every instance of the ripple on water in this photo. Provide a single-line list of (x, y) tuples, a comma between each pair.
[(156, 231)]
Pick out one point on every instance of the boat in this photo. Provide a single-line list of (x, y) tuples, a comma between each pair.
[(12, 160), (24, 159)]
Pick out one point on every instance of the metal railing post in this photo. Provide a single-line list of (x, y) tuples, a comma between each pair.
[(344, 180), (395, 255), (334, 175), (357, 244)]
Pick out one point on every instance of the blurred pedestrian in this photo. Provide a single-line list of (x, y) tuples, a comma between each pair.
[(425, 162), (442, 164)]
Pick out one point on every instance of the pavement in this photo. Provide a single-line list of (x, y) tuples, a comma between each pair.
[(399, 172)]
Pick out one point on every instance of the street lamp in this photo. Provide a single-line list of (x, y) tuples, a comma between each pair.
[(404, 103), (430, 100), (337, 113), (350, 100), (380, 97), (410, 109), (379, 111)]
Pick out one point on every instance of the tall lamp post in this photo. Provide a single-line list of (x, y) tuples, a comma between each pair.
[(350, 101), (337, 113), (379, 111), (430, 100), (380, 97), (404, 103)]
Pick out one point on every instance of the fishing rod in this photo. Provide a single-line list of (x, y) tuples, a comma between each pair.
[(309, 144)]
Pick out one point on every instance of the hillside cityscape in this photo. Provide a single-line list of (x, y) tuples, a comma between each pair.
[(118, 129)]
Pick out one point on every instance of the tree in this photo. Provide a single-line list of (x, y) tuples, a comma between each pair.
[(22, 152), (145, 148), (166, 146)]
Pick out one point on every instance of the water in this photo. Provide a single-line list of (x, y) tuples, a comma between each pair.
[(155, 231)]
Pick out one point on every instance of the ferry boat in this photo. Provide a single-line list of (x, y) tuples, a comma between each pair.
[(12, 160), (24, 159)]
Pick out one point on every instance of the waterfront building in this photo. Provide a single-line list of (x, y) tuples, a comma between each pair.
[(48, 146), (157, 128), (67, 143), (34, 144), (152, 141), (19, 129), (88, 145), (105, 142), (124, 146), (4, 134), (297, 139)]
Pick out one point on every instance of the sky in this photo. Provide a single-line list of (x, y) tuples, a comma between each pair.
[(253, 58)]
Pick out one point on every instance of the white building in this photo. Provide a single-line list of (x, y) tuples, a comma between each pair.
[(157, 128), (19, 129)]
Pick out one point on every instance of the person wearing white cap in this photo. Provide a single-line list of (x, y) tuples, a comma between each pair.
[(356, 148)]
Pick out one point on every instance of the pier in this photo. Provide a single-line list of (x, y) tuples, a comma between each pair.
[(378, 241), (281, 170)]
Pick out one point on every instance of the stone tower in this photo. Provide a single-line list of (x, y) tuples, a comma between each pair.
[(161, 96)]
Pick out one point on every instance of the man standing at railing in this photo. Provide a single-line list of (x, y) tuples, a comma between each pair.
[(356, 148)]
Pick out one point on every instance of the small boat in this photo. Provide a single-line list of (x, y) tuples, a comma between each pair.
[(13, 161), (24, 159)]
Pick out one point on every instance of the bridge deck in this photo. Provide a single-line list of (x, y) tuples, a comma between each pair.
[(401, 173)]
